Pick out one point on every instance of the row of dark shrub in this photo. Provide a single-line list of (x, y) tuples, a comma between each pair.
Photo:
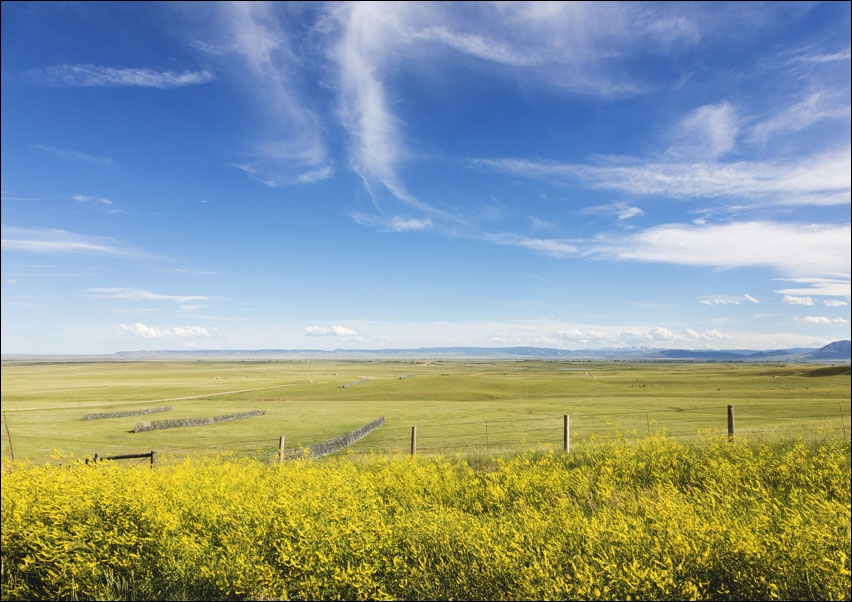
[(157, 425), (323, 448)]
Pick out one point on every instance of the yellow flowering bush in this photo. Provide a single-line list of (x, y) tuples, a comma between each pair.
[(659, 519)]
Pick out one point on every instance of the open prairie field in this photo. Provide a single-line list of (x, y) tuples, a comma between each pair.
[(457, 406)]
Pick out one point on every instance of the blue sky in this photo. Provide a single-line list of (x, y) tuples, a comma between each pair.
[(383, 175)]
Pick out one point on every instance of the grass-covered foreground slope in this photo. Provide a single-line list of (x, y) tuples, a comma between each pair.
[(654, 519)]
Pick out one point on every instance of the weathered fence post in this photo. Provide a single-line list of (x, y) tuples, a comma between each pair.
[(730, 423), (8, 436), (281, 449), (413, 440), (566, 440), (153, 458)]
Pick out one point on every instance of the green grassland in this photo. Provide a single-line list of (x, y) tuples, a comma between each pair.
[(457, 406)]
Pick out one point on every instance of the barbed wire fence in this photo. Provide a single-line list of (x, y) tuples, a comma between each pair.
[(497, 435), (509, 435)]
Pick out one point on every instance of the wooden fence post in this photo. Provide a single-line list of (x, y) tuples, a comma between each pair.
[(730, 423), (153, 458), (413, 440), (566, 440), (281, 449), (8, 436)]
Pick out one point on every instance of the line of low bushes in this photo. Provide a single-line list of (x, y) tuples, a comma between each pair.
[(324, 448), (156, 425), (122, 414)]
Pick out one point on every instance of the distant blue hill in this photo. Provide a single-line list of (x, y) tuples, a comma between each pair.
[(840, 351), (833, 351)]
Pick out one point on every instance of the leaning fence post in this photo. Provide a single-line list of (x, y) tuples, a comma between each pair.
[(731, 423), (281, 449), (413, 440), (566, 440), (8, 436)]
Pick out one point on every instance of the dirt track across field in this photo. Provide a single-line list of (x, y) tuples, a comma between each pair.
[(127, 403)]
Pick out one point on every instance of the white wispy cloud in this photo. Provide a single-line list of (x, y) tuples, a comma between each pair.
[(272, 176), (190, 331), (552, 247), (315, 175), (252, 43), (88, 198), (347, 334), (377, 146), (395, 223), (141, 330), (132, 294), (791, 300), (10, 197), (817, 55), (566, 48), (546, 332), (622, 336), (709, 131), (835, 303), (477, 45), (797, 251), (821, 179), (727, 299), (818, 106), (50, 240), (73, 155), (38, 271), (105, 203), (574, 48), (821, 320), (660, 334), (101, 76), (621, 210), (629, 212), (335, 331), (838, 286)]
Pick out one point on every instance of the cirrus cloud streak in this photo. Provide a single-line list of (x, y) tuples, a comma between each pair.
[(798, 251), (100, 76)]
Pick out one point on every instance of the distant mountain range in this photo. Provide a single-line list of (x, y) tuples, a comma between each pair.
[(839, 351)]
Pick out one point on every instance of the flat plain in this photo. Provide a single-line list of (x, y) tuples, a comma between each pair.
[(457, 407)]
